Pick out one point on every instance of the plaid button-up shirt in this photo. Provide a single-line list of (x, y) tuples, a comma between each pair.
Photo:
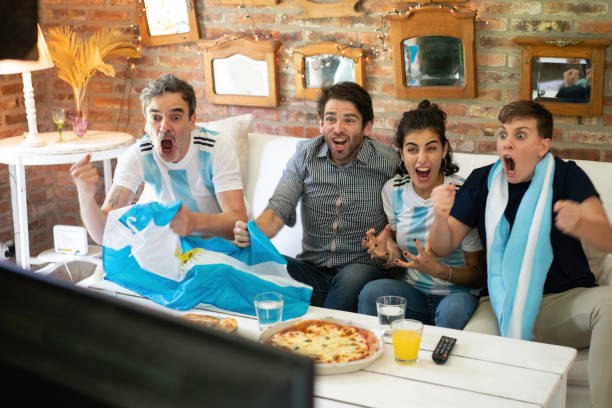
[(339, 203)]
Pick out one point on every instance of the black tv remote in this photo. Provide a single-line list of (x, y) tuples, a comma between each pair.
[(443, 349)]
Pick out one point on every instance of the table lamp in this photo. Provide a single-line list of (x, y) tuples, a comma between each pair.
[(11, 66)]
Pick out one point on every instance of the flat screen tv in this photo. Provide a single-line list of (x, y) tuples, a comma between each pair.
[(67, 345)]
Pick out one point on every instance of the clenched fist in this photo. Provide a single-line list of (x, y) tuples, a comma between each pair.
[(85, 176), (182, 223), (443, 197), (242, 238)]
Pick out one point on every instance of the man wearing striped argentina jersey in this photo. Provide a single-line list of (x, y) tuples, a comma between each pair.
[(337, 177), (177, 162)]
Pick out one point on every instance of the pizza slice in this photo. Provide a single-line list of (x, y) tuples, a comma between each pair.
[(226, 324)]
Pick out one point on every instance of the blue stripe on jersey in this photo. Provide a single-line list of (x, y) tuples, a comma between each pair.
[(181, 190), (206, 172), (151, 173), (398, 203), (418, 228)]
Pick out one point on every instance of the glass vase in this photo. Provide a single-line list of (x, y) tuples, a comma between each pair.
[(79, 116), (79, 123)]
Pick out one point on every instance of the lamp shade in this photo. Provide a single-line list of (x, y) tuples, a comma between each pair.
[(13, 66)]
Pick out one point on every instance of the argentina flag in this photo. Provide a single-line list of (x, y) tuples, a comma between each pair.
[(141, 253)]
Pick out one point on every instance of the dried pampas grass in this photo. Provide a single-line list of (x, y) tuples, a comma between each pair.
[(77, 60)]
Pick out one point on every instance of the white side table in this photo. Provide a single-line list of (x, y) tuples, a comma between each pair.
[(102, 145)]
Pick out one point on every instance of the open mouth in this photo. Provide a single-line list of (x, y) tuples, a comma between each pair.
[(422, 172), (339, 144), (510, 166), (166, 145), (339, 141), (509, 163)]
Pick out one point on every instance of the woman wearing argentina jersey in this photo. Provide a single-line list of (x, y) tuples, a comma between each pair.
[(440, 291)]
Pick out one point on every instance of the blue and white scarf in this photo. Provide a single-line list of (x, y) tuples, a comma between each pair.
[(518, 260)]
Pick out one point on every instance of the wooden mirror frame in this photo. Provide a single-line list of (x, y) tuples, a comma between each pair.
[(434, 1), (342, 8), (250, 2), (299, 62), (433, 21), (146, 37), (259, 50), (588, 48)]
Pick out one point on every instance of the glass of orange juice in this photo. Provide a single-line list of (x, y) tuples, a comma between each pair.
[(406, 336)]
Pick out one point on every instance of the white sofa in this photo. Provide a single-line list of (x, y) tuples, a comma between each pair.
[(268, 155)]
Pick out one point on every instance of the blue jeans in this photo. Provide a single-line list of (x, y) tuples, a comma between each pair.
[(453, 310), (333, 288)]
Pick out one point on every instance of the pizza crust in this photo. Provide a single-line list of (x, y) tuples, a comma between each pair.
[(227, 324)]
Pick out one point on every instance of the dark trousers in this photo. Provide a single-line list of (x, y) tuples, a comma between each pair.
[(334, 288)]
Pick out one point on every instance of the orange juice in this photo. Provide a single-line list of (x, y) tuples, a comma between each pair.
[(406, 345)]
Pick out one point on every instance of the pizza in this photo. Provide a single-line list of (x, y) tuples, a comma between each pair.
[(326, 342), (227, 324)]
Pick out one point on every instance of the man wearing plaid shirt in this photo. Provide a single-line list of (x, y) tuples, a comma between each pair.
[(338, 176)]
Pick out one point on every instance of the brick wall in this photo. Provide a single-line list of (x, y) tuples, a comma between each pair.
[(113, 102)]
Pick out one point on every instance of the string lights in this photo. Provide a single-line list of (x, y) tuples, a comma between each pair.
[(368, 52), (380, 48), (253, 31)]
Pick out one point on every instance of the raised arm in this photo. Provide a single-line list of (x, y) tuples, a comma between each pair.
[(86, 177), (232, 210), (586, 220), (446, 232)]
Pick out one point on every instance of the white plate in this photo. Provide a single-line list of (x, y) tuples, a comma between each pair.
[(331, 368)]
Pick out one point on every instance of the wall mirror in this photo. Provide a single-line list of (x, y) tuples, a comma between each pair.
[(433, 60), (241, 71), (326, 62), (564, 75), (433, 53), (167, 22)]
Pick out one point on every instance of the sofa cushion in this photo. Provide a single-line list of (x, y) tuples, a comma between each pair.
[(236, 127)]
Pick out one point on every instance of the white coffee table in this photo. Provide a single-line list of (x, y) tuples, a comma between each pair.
[(482, 371)]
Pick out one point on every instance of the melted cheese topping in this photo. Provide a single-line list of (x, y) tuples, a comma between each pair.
[(325, 343)]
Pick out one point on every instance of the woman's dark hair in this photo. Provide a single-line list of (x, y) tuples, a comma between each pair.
[(427, 116)]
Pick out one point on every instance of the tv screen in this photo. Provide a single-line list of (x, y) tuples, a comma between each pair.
[(80, 346)]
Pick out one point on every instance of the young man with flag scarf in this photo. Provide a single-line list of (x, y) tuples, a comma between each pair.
[(532, 209)]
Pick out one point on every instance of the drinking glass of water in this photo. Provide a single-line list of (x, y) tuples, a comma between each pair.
[(269, 309), (390, 308)]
